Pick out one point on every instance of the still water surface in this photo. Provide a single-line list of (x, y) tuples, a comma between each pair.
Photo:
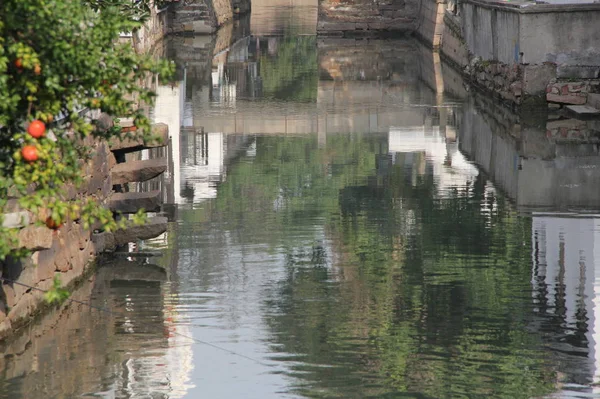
[(348, 221)]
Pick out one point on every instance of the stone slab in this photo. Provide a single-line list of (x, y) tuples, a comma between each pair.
[(565, 99), (103, 242), (138, 171), (152, 228), (35, 238), (16, 219), (132, 202), (582, 111), (128, 271)]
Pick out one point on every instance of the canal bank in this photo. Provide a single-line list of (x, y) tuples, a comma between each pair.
[(523, 52), (67, 252), (337, 205), (122, 175), (342, 205)]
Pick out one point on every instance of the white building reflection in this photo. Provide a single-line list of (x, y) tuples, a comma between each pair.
[(566, 290), (565, 259), (429, 150), (197, 157)]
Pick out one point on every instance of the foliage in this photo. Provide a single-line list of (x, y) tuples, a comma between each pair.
[(138, 10), (56, 293), (61, 62), (292, 73)]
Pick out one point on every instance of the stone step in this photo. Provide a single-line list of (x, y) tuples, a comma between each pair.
[(134, 271), (132, 202), (154, 227), (160, 133), (138, 171), (582, 111), (109, 241)]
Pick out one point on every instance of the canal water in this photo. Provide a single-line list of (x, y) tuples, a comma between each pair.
[(348, 220)]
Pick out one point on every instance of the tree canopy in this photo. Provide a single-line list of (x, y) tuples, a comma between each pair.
[(61, 60)]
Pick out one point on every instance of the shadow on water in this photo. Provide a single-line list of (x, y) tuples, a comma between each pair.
[(354, 217)]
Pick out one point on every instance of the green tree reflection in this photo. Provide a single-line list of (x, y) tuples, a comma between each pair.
[(404, 291), (291, 74)]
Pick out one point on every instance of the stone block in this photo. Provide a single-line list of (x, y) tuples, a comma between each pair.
[(103, 242), (36, 238), (593, 100), (5, 329), (202, 27), (2, 311), (8, 295), (16, 219), (112, 160), (582, 111), (12, 205), (23, 308), (499, 82), (514, 72), (67, 277), (23, 271), (83, 236), (46, 258), (568, 99), (153, 228), (133, 202), (138, 171), (535, 78), (62, 260)]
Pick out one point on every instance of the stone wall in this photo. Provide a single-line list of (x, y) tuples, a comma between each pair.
[(538, 163), (204, 16), (56, 357), (367, 17), (430, 21), (567, 35), (65, 252), (152, 32), (513, 50), (517, 50)]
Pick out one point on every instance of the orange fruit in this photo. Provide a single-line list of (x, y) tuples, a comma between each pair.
[(30, 153), (36, 129)]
